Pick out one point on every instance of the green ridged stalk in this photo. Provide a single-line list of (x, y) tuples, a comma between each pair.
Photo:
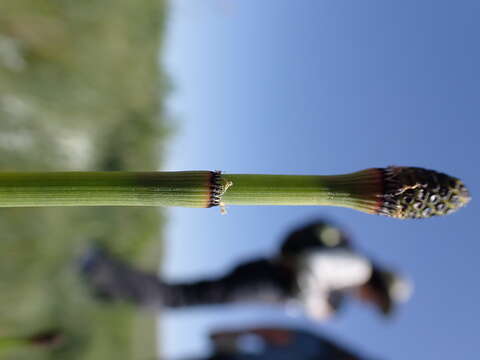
[(189, 189), (400, 192), (350, 190)]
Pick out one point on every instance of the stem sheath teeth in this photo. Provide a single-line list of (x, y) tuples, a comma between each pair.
[(218, 186)]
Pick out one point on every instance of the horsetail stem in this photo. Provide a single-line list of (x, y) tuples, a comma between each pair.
[(188, 189), (399, 192)]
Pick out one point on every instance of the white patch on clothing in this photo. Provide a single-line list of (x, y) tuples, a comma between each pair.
[(337, 269), (329, 270)]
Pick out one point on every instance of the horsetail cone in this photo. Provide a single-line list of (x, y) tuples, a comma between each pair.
[(412, 192), (399, 192)]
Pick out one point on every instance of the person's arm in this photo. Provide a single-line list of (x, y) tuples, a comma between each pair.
[(258, 280)]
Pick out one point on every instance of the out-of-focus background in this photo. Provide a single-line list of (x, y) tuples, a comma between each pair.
[(80, 88), (274, 86), (329, 87)]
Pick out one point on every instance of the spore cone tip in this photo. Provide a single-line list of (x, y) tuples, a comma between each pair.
[(413, 193)]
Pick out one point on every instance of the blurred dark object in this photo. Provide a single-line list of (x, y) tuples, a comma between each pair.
[(316, 267), (273, 343), (51, 337)]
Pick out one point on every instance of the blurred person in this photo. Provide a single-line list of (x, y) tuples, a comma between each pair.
[(316, 268)]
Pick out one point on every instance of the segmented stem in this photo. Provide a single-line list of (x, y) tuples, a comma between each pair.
[(351, 190), (400, 192), (189, 189)]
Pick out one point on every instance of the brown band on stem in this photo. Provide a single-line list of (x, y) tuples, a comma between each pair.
[(216, 189), (361, 190)]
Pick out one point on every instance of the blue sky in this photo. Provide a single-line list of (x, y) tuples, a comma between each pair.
[(328, 87)]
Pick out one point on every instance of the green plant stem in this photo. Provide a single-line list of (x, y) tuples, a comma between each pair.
[(189, 188), (338, 190), (399, 192), (282, 190)]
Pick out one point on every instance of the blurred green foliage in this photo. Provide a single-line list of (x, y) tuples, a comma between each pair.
[(80, 88)]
